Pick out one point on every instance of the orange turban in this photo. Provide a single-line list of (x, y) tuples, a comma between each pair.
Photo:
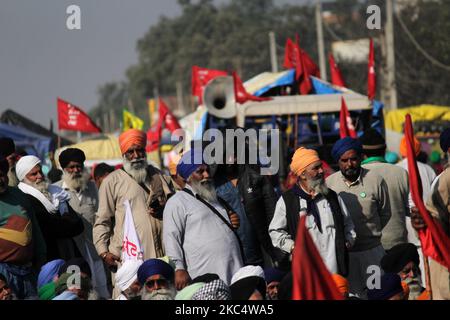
[(173, 164), (341, 283), (302, 158), (132, 137), (403, 151)]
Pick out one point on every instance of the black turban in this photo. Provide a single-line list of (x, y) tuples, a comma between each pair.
[(372, 140), (444, 140), (244, 288), (4, 165), (71, 154), (7, 146), (399, 256)]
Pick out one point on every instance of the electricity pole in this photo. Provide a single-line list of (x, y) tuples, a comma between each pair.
[(321, 47)]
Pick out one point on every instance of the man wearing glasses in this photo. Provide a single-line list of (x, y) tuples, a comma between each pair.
[(156, 277), (146, 189)]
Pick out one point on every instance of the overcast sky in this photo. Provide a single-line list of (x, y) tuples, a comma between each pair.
[(41, 59)]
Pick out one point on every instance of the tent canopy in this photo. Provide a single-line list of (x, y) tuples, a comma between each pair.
[(394, 119), (32, 143)]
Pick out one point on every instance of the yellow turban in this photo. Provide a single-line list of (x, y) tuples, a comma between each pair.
[(303, 158), (132, 137), (403, 149)]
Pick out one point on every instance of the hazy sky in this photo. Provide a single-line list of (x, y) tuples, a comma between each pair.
[(41, 59)]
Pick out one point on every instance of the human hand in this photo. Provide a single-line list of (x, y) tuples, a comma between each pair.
[(416, 219), (110, 259), (235, 221), (182, 279)]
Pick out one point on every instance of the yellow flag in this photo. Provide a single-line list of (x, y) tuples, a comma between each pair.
[(151, 111), (131, 121)]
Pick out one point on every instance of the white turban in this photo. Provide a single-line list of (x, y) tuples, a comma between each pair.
[(24, 166), (127, 274), (248, 271)]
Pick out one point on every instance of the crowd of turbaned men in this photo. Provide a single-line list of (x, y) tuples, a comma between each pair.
[(223, 232)]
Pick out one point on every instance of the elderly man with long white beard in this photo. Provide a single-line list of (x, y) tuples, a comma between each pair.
[(156, 279), (57, 220), (199, 229), (327, 219), (84, 200), (146, 189)]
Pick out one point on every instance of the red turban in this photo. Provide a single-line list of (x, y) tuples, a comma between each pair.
[(403, 147), (132, 137)]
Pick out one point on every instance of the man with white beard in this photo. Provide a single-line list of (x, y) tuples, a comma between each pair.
[(327, 219), (57, 220), (199, 229), (84, 201), (146, 189), (156, 279), (8, 150)]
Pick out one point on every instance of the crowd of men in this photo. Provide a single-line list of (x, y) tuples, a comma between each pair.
[(215, 232)]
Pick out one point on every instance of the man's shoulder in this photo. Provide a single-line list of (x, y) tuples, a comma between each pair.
[(332, 178)]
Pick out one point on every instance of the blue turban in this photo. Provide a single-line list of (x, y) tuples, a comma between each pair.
[(152, 267), (390, 285), (444, 140), (49, 271), (345, 144), (273, 274), (189, 162)]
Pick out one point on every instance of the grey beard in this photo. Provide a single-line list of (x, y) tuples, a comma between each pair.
[(137, 169), (12, 177), (318, 185), (204, 189), (42, 187), (75, 183), (160, 294), (93, 295), (415, 287)]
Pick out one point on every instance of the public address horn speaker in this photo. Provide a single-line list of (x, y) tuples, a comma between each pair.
[(218, 97)]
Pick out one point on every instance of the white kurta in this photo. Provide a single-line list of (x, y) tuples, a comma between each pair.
[(197, 240)]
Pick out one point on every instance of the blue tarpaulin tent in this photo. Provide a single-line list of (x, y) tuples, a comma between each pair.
[(32, 143)]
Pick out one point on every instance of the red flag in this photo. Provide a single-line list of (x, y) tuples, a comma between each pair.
[(308, 63), (201, 77), (292, 58), (336, 76), (71, 117), (166, 117), (241, 95), (435, 242), (311, 279), (153, 137), (346, 128), (371, 77)]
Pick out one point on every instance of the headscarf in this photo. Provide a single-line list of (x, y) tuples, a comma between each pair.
[(7, 146), (390, 285), (49, 271), (24, 166), (341, 283), (61, 284), (302, 158), (71, 154), (214, 290), (188, 292), (190, 161), (127, 274), (444, 140), (153, 267), (248, 271), (391, 157), (132, 137), (273, 274), (244, 288), (403, 148), (343, 145), (399, 256)]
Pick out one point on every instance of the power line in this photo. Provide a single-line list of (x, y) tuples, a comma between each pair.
[(419, 47)]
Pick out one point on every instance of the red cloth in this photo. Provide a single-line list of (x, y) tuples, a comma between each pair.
[(166, 117), (153, 138), (311, 279), (71, 117), (336, 76), (371, 78), (201, 77), (241, 95), (435, 243), (346, 128)]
